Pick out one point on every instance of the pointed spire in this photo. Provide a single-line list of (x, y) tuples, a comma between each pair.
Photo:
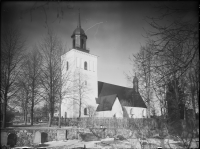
[(135, 78), (79, 19), (135, 83)]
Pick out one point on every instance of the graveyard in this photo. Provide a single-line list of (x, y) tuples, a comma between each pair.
[(41, 136), (99, 75)]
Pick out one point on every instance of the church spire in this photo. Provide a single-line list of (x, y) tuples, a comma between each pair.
[(79, 19), (135, 83), (79, 37)]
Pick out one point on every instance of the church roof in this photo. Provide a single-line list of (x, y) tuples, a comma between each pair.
[(127, 96), (106, 102), (79, 31)]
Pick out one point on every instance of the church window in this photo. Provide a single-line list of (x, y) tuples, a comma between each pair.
[(73, 43), (85, 111), (67, 65), (131, 111), (85, 65), (143, 114), (82, 43), (85, 82)]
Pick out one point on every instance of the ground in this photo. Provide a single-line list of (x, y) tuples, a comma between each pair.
[(127, 143), (130, 143)]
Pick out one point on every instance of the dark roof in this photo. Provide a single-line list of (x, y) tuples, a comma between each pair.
[(106, 102), (78, 31), (131, 98)]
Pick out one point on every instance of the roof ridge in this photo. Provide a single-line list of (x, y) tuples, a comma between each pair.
[(109, 95), (115, 85)]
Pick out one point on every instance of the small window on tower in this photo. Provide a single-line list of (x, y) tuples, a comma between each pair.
[(85, 111), (67, 65), (82, 43), (73, 43), (85, 65)]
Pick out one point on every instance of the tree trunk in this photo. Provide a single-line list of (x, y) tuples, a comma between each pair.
[(59, 122), (32, 104), (80, 109), (25, 117), (4, 114), (50, 119), (32, 111)]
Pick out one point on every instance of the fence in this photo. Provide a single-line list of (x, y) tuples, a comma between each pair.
[(109, 122)]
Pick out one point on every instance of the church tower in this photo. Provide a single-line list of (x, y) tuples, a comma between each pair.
[(79, 67), (79, 37)]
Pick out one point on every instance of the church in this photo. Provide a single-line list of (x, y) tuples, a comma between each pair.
[(84, 95)]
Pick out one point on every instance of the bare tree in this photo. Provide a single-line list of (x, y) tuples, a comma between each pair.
[(61, 9), (51, 71), (64, 84), (91, 111), (22, 98), (175, 51), (32, 66), (12, 47), (81, 91), (142, 63)]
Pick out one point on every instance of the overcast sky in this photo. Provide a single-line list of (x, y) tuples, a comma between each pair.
[(118, 32)]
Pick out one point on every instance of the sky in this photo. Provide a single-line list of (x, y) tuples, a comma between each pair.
[(115, 30)]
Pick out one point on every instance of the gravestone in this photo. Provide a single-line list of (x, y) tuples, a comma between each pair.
[(4, 136), (61, 135), (3, 147), (44, 137), (37, 138), (12, 140)]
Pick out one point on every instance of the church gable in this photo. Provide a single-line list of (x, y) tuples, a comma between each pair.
[(106, 103)]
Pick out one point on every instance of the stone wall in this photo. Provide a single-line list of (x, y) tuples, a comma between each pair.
[(27, 136)]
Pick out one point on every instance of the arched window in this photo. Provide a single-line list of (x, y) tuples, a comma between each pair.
[(85, 111), (131, 112), (143, 114), (85, 82), (67, 66), (85, 65)]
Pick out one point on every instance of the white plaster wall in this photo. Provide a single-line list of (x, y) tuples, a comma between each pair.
[(136, 111), (76, 61), (67, 102), (104, 114), (116, 110)]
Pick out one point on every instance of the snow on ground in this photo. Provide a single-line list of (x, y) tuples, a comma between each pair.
[(130, 143)]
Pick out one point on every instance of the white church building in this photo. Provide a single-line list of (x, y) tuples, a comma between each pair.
[(81, 88)]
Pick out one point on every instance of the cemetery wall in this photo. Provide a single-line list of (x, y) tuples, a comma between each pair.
[(30, 136)]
